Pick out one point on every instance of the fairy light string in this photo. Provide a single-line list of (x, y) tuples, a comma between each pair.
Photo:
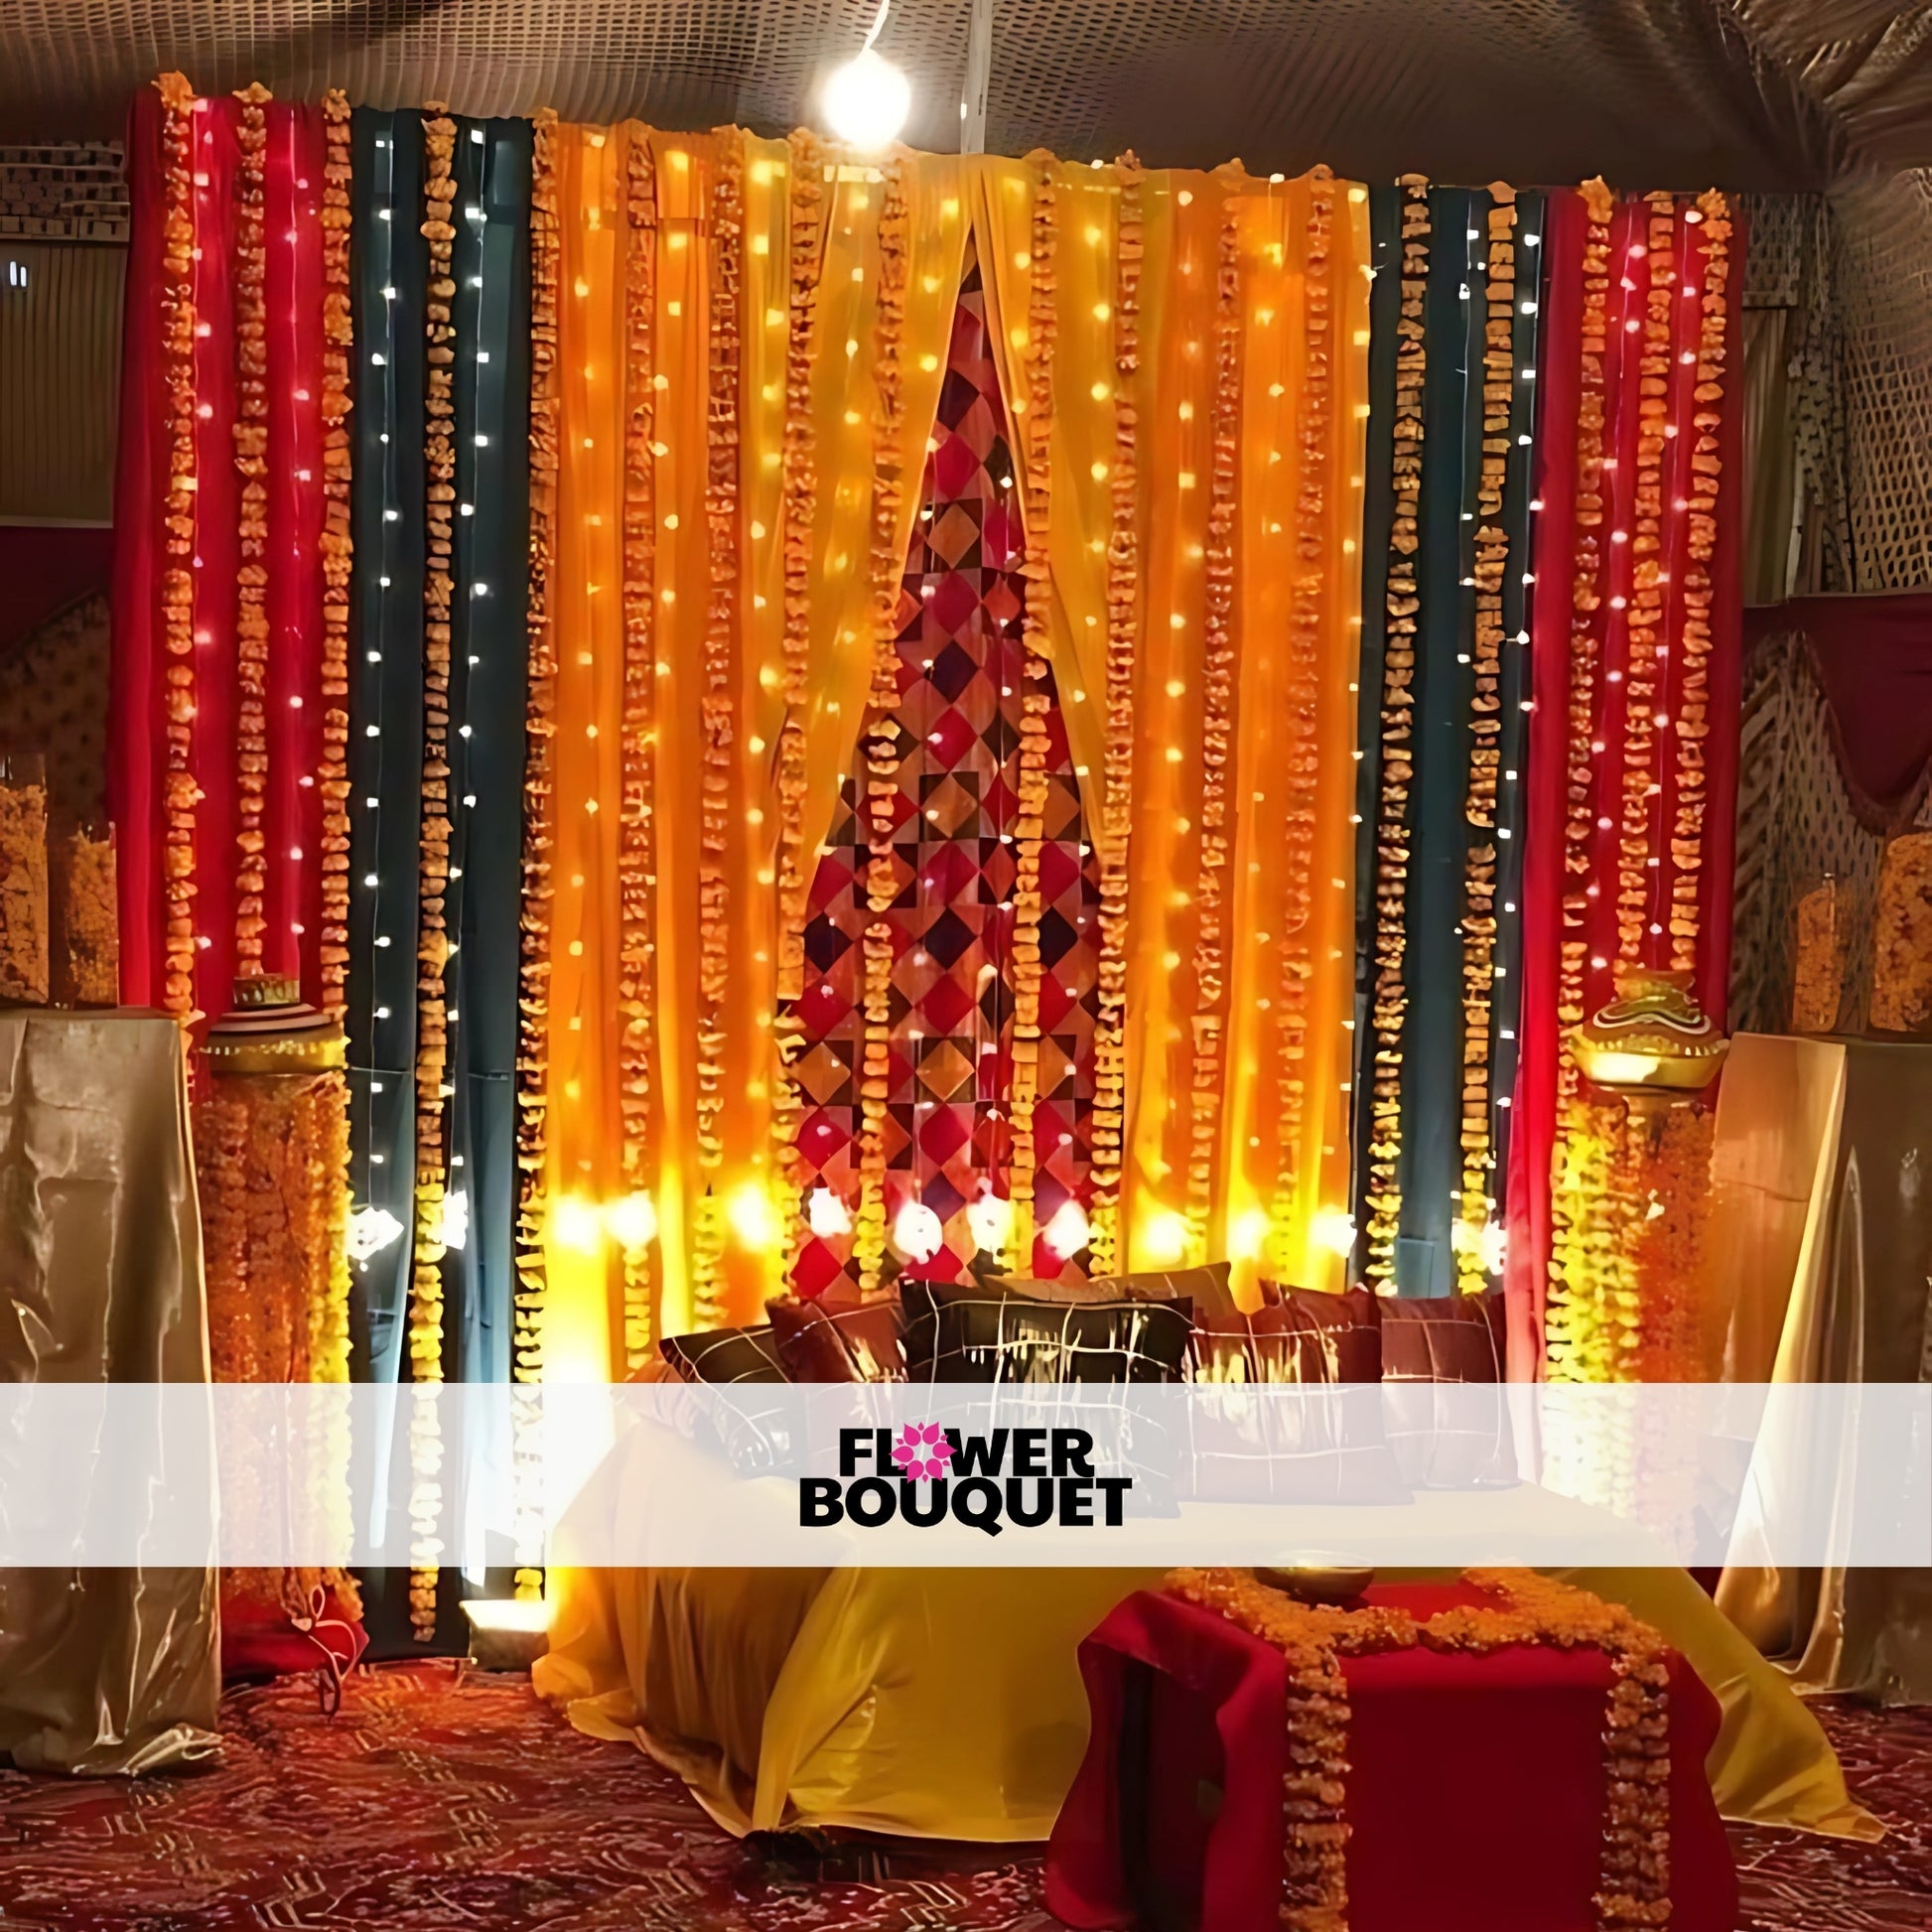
[(338, 340)]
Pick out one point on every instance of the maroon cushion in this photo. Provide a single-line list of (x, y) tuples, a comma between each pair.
[(725, 1355), (839, 1342), (1283, 1343), (1210, 1288), (1443, 1338)]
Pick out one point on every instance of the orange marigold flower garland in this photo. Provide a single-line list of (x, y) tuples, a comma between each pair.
[(87, 970), (1030, 821), (1382, 1188), (431, 941), (1115, 829), (718, 710), (806, 177), (1217, 725), (1301, 763), (25, 951), (331, 778), (636, 859), (882, 735), (1485, 734), (249, 270), (1634, 1886), (539, 831), (180, 793)]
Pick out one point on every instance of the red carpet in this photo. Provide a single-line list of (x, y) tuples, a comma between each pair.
[(440, 1804)]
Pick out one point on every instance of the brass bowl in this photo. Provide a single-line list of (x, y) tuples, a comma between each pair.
[(1318, 1579)]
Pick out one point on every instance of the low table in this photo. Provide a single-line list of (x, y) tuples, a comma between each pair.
[(1475, 1794)]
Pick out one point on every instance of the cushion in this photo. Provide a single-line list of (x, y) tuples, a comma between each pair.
[(752, 1429), (1427, 1342), (994, 1333), (1210, 1288), (831, 1340), (1304, 1335), (725, 1355), (1443, 1338)]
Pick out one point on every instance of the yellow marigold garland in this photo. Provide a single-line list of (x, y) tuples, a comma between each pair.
[(636, 861), (806, 178), (431, 941), (180, 793), (539, 831), (1485, 734), (1123, 632), (1030, 821), (250, 269), (331, 778), (1301, 763), (1634, 1886), (882, 735), (1217, 725), (1382, 1188), (718, 710)]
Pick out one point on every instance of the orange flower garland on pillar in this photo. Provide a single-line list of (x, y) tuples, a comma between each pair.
[(882, 736), (250, 432), (432, 942), (636, 841), (1115, 830), (1403, 598), (539, 827), (181, 794), (331, 776), (1030, 823), (1486, 755)]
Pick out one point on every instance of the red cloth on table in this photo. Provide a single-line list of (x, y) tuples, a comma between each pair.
[(1474, 1793)]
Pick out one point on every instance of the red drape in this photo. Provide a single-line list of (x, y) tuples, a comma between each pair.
[(291, 194), (1533, 1137)]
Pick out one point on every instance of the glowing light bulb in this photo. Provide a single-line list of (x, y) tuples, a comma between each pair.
[(370, 1230), (1067, 1232), (1248, 1235), (573, 1224), (453, 1223), (1334, 1229), (750, 1216), (917, 1232), (632, 1220), (990, 1218), (867, 99), (826, 1214), (1163, 1240)]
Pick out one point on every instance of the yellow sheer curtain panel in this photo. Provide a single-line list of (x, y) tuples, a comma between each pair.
[(1209, 394)]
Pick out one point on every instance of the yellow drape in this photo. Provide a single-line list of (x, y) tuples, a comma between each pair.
[(595, 176), (1255, 1215)]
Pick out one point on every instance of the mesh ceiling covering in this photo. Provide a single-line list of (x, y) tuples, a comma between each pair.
[(1771, 94)]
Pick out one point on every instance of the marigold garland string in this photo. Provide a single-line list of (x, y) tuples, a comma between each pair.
[(1635, 1877), (250, 269), (432, 942), (718, 712), (882, 734), (636, 861), (1478, 921), (331, 775), (1123, 630), (1036, 636), (539, 830), (1301, 763), (1403, 602), (1217, 725), (806, 179), (180, 793)]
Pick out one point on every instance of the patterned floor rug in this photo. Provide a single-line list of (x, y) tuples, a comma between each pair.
[(445, 1801)]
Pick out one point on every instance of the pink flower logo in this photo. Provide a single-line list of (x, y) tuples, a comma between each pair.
[(922, 1452)]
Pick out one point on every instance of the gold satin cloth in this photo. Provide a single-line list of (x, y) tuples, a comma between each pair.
[(1822, 1227), (100, 1281), (948, 1702)]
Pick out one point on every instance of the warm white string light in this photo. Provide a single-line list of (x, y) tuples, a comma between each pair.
[(867, 99)]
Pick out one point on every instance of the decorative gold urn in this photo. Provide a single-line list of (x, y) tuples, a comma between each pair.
[(270, 1030), (1652, 1040)]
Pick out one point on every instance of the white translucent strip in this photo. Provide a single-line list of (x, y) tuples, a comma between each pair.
[(1800, 1475)]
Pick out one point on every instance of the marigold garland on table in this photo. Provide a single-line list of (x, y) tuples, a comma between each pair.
[(1115, 829), (539, 831), (718, 712), (181, 794), (1478, 923), (433, 943), (880, 737), (331, 775), (1634, 1883), (1301, 763), (806, 178), (1382, 1192), (636, 861), (1217, 726), (1036, 636)]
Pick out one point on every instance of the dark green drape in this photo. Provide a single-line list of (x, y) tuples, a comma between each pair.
[(1455, 314)]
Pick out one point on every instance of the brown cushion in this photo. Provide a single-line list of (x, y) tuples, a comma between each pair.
[(1446, 1442), (1443, 1338), (725, 1355), (1309, 1337), (995, 1334), (1210, 1288), (838, 1340)]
